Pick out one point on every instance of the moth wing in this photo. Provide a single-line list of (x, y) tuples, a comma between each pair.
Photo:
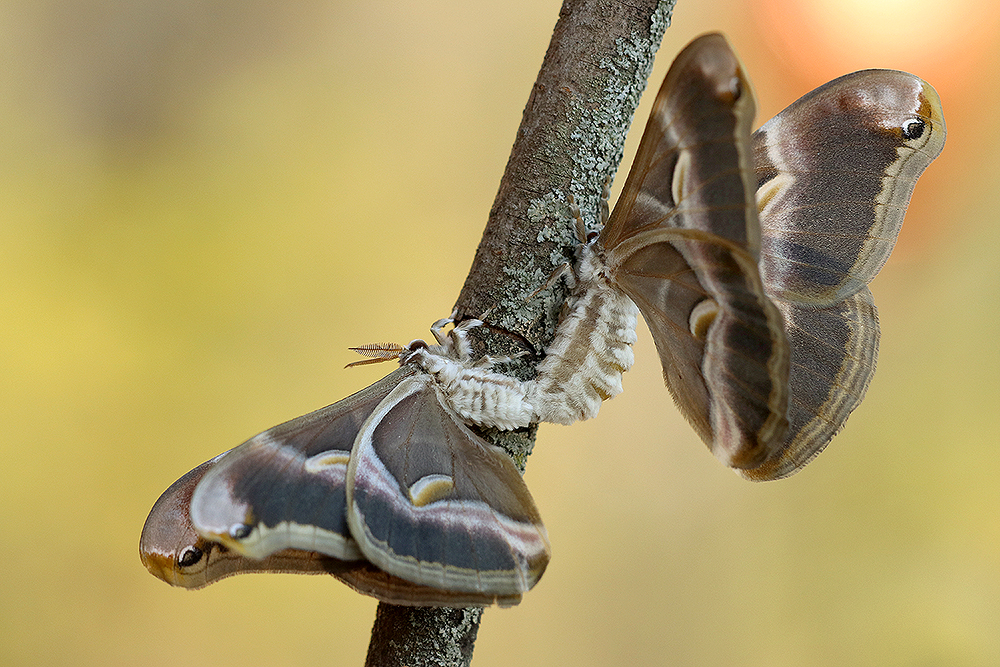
[(692, 155), (683, 244), (834, 351), (723, 351), (284, 488), (835, 173), (172, 550), (433, 503)]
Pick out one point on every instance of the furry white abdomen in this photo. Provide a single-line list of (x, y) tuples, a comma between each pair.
[(592, 348)]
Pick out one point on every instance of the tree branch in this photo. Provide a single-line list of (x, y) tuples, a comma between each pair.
[(570, 141)]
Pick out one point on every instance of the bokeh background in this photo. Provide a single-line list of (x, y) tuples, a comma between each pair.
[(204, 202)]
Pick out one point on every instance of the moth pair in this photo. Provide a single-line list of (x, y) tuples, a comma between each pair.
[(748, 257)]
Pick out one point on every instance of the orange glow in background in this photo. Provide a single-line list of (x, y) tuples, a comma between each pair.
[(203, 204)]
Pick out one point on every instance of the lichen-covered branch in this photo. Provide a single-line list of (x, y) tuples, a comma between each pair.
[(570, 141)]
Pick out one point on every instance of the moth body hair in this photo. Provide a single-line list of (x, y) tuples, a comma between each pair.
[(477, 394), (592, 349)]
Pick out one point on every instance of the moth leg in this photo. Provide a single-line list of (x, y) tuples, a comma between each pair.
[(574, 210), (489, 361), (458, 342), (439, 326), (563, 270), (605, 196)]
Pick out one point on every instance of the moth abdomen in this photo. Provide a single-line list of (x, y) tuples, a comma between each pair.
[(592, 349)]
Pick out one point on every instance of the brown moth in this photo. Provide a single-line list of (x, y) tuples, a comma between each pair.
[(391, 475), (172, 550), (748, 258), (682, 245)]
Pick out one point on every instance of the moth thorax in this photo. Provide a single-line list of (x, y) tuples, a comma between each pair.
[(430, 358), (590, 267), (702, 316)]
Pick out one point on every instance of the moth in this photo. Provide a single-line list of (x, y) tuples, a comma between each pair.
[(172, 550), (748, 257), (682, 247), (392, 475)]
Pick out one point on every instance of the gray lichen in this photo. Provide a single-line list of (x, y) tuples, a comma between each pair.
[(598, 132)]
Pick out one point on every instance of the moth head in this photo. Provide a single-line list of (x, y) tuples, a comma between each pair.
[(413, 349)]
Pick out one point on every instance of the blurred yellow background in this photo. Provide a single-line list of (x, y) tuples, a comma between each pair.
[(203, 204)]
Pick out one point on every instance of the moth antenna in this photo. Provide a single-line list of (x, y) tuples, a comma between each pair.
[(378, 352)]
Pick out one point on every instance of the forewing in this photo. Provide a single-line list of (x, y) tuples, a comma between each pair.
[(683, 244), (284, 488), (172, 550), (433, 503), (689, 160), (835, 172)]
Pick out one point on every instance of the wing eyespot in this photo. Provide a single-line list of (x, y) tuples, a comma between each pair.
[(913, 128), (190, 556), (430, 488), (325, 460), (701, 318), (240, 531), (729, 91), (735, 88)]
